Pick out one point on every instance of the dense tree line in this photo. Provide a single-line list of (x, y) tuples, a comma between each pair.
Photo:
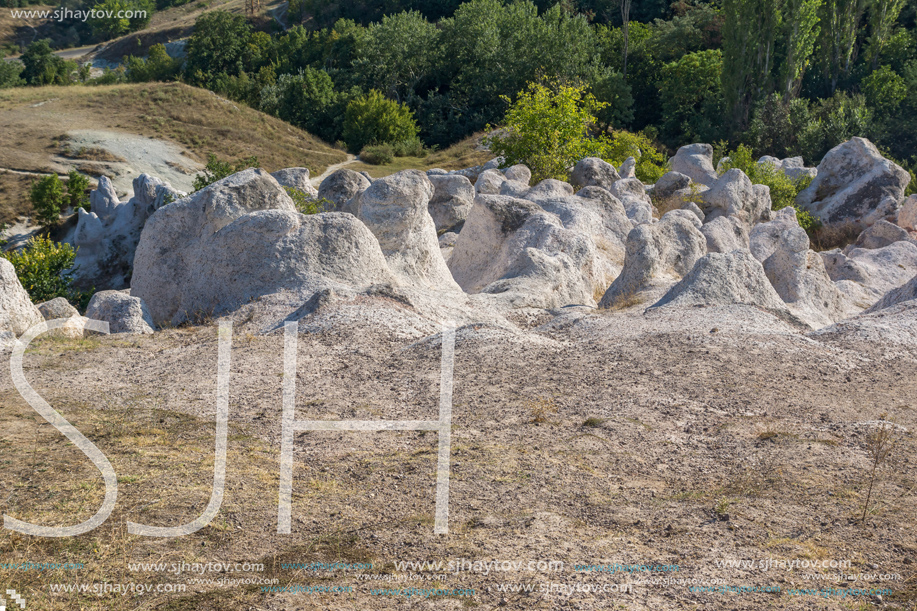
[(786, 77)]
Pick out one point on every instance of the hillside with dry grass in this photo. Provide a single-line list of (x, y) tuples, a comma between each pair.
[(37, 126)]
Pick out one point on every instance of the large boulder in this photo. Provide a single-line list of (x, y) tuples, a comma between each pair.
[(58, 308), (696, 162), (864, 275), (881, 234), (907, 214), (549, 188), (733, 194), (296, 178), (907, 292), (522, 255), (793, 168), (394, 208), (241, 238), (725, 234), (593, 172), (632, 194), (453, 197), (17, 313), (657, 255), (797, 273), (628, 169), (725, 279), (107, 237), (488, 182), (518, 173), (669, 183), (122, 312), (340, 186), (855, 183)]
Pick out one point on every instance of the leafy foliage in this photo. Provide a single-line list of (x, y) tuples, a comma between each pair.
[(77, 185), (783, 190), (651, 162), (42, 67), (47, 195), (305, 204), (547, 130), (45, 269), (378, 154), (374, 119), (218, 170)]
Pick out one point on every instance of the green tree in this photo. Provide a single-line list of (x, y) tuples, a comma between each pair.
[(883, 15), (105, 22), (692, 98), (157, 66), (884, 90), (547, 129), (45, 269), (840, 23), (42, 67), (397, 54), (800, 33), (77, 185), (47, 195), (651, 162), (373, 119), (9, 74), (218, 46), (307, 100)]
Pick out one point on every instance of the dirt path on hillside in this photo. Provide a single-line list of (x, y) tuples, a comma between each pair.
[(317, 180)]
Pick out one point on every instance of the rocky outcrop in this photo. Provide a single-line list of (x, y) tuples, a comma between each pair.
[(522, 255), (725, 234), (865, 274), (628, 169), (907, 214), (453, 197), (593, 172), (17, 313), (518, 173), (855, 183), (669, 184), (797, 273), (340, 186), (296, 178), (106, 237), (907, 292), (793, 167), (632, 195), (657, 255), (488, 182), (241, 238), (394, 208), (473, 172), (58, 308), (696, 162), (122, 312), (725, 279), (881, 234), (733, 194)]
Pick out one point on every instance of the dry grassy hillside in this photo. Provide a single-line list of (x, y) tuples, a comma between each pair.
[(36, 127)]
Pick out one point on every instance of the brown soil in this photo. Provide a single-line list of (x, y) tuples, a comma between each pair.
[(666, 448)]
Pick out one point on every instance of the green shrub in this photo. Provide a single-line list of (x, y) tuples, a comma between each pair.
[(77, 185), (45, 270), (651, 162), (47, 197), (373, 119), (378, 154), (305, 204), (409, 148), (783, 190), (218, 170), (546, 128)]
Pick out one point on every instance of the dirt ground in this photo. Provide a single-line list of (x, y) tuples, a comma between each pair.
[(606, 440)]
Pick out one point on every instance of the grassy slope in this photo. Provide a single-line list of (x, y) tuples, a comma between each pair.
[(463, 154), (194, 118)]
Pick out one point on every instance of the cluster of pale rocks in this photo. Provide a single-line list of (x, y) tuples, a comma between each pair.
[(484, 244)]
